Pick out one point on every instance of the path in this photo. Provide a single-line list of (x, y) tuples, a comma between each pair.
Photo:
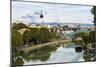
[(57, 42)]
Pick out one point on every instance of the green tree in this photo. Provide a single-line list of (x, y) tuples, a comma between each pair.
[(44, 35), (18, 26), (17, 40), (92, 36), (35, 35), (53, 35), (93, 11), (34, 32), (27, 37)]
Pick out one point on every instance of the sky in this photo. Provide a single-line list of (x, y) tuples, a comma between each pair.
[(61, 13)]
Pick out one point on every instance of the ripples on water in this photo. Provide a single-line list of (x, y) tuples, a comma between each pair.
[(62, 54)]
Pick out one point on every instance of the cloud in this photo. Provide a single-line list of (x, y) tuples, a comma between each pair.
[(65, 13), (28, 16)]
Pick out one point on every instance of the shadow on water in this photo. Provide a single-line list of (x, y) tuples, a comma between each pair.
[(42, 54)]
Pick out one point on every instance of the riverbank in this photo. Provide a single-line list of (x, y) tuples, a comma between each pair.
[(57, 42)]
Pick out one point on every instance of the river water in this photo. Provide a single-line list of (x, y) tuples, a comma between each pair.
[(63, 53)]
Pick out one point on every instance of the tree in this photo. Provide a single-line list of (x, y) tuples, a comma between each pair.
[(44, 35), (27, 37), (92, 36), (53, 35), (35, 35), (18, 26), (93, 12), (17, 40)]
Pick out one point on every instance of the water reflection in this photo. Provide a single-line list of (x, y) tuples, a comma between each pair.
[(41, 54), (52, 54), (65, 55)]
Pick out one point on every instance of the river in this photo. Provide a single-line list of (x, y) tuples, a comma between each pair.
[(63, 53)]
